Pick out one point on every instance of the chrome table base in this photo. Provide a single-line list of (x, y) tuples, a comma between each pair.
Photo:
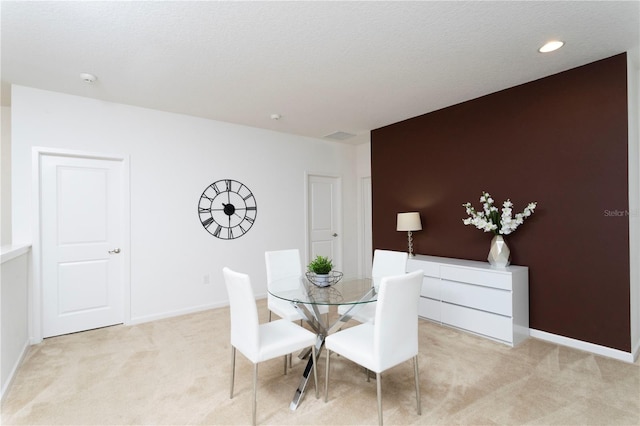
[(322, 329)]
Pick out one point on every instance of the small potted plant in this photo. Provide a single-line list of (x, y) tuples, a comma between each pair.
[(321, 267)]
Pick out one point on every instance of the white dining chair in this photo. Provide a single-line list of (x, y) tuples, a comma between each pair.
[(284, 272), (385, 263), (260, 342), (390, 340)]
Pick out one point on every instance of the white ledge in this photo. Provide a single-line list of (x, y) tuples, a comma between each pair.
[(11, 251)]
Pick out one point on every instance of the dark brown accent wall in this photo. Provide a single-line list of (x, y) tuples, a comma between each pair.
[(560, 141)]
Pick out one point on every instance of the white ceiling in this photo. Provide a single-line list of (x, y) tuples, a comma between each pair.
[(323, 66)]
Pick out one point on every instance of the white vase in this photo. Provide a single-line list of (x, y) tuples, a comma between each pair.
[(499, 253)]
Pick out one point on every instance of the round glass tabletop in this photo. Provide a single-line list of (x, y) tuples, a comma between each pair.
[(347, 291)]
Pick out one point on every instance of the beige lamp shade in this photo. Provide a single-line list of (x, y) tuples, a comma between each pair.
[(409, 222)]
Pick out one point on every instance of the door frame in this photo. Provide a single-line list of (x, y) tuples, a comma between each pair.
[(35, 285), (307, 238), (366, 260)]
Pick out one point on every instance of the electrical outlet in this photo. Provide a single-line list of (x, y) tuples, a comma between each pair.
[(206, 279)]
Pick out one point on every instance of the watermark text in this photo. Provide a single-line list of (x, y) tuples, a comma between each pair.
[(621, 213)]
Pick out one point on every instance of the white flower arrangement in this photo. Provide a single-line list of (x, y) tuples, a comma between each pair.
[(490, 220)]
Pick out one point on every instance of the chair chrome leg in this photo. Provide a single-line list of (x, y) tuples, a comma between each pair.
[(379, 392), (291, 355), (326, 377), (255, 391), (233, 370), (417, 379), (285, 365), (315, 370)]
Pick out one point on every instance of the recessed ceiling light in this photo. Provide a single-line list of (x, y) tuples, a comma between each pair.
[(551, 46), (88, 78)]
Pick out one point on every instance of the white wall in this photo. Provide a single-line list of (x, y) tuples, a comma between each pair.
[(633, 87), (5, 176), (172, 159)]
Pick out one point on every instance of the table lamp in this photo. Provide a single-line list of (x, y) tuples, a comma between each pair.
[(409, 222)]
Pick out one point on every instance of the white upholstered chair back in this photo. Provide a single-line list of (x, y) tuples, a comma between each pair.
[(282, 264), (395, 337), (284, 272), (244, 314), (388, 263)]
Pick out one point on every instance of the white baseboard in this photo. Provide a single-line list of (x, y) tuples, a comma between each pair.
[(169, 314), (584, 346), (192, 310), (14, 370), (636, 351)]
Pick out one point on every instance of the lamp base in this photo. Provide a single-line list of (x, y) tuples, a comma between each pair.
[(410, 243)]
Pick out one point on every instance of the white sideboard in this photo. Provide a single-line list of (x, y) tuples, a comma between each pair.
[(475, 297)]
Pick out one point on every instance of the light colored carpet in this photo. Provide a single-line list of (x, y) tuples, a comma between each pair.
[(176, 372)]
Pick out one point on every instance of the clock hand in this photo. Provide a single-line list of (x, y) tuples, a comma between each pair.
[(228, 209)]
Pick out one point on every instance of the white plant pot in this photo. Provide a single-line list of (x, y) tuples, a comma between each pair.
[(322, 280)]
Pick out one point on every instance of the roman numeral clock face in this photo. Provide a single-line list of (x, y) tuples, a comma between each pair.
[(227, 209)]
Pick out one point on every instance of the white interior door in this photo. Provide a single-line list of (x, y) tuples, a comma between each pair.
[(324, 213), (81, 232)]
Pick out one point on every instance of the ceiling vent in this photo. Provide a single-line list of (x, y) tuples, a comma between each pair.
[(339, 136)]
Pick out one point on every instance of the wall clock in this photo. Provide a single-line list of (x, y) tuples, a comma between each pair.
[(227, 209)]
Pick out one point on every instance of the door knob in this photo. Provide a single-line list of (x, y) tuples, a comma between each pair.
[(335, 235), (114, 251)]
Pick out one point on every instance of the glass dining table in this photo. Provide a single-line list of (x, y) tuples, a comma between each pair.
[(307, 297)]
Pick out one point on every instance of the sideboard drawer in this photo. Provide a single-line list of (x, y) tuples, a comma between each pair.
[(429, 308), (430, 288), (429, 269), (478, 297), (485, 323), (474, 276)]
